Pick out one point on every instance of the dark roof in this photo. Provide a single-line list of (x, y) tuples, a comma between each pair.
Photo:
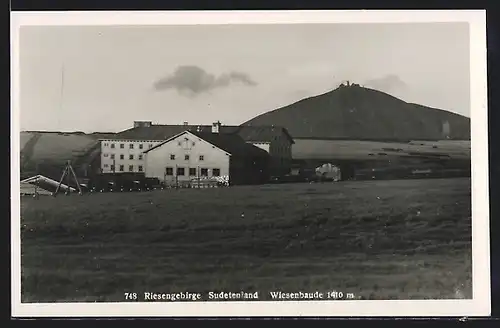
[(163, 132), (231, 143)]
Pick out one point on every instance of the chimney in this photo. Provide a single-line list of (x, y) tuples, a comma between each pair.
[(142, 124), (216, 127), (185, 123)]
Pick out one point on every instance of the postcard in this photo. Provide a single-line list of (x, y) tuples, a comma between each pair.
[(263, 163)]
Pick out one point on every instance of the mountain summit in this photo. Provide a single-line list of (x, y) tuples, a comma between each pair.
[(359, 113)]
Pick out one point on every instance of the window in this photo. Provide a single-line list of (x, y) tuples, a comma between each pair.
[(140, 157), (130, 156), (122, 168), (122, 156), (112, 145), (180, 171), (216, 172), (169, 171), (172, 157), (192, 171), (122, 146), (186, 157), (204, 172), (140, 168), (112, 168), (112, 156), (106, 165), (131, 146), (131, 168), (140, 146), (150, 145), (105, 155), (202, 157)]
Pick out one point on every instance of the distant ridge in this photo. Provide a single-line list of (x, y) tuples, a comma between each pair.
[(358, 113)]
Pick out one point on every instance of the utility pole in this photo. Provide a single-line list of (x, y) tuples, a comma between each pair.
[(176, 177), (62, 89), (36, 188)]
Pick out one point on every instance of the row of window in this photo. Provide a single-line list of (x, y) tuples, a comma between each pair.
[(140, 157), (141, 146), (122, 145), (186, 157), (181, 171), (122, 168), (112, 156)]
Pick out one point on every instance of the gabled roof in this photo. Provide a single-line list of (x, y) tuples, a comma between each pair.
[(163, 132), (230, 143), (262, 133)]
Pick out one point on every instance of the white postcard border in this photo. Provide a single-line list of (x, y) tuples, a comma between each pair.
[(478, 306)]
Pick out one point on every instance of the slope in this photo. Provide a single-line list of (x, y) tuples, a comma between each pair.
[(47, 152), (358, 113)]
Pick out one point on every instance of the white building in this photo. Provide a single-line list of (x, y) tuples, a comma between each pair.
[(119, 156), (190, 155), (274, 140)]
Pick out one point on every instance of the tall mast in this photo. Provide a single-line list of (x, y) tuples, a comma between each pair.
[(61, 97)]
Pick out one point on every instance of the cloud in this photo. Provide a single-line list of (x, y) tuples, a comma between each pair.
[(193, 80), (386, 83)]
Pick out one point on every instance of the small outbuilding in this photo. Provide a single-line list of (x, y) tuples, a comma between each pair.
[(329, 171)]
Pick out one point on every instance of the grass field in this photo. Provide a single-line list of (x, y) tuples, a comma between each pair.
[(355, 149), (401, 239), (57, 147)]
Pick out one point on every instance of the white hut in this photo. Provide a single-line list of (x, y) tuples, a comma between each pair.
[(329, 171)]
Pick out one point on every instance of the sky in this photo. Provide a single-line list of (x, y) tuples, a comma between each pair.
[(102, 78)]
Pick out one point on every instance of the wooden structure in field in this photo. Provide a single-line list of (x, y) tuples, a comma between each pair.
[(67, 173)]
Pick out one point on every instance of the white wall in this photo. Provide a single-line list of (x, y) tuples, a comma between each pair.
[(107, 151), (262, 145), (278, 148), (158, 159)]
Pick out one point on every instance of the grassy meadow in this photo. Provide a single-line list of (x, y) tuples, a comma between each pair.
[(56, 146), (400, 239), (355, 149)]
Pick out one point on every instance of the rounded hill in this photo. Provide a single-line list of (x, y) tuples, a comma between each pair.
[(358, 113), (46, 153)]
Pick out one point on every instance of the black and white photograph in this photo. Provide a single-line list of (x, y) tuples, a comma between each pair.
[(326, 163)]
